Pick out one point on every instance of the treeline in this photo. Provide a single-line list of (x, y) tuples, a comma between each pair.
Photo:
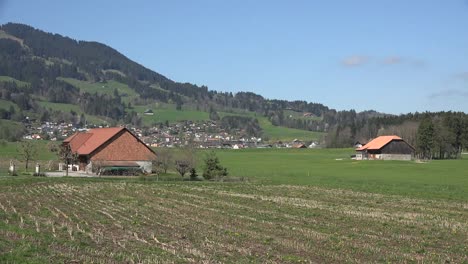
[(439, 135), (442, 136)]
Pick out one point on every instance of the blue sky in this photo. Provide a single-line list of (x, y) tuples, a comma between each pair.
[(391, 56)]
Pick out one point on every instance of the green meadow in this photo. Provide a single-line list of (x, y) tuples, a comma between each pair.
[(278, 133), (329, 168), (11, 79), (333, 168), (4, 104), (168, 112), (103, 88)]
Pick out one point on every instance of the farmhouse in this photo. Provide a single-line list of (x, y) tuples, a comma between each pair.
[(114, 147), (386, 148)]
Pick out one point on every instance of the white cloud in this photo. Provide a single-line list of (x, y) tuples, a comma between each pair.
[(393, 60), (354, 61)]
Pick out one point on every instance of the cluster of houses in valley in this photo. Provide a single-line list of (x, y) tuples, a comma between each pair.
[(203, 134)]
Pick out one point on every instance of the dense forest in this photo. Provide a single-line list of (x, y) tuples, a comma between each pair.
[(41, 60)]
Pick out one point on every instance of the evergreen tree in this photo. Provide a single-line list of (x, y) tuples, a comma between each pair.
[(425, 138), (213, 168)]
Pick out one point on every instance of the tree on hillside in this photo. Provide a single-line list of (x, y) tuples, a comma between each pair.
[(425, 138), (27, 151), (213, 114)]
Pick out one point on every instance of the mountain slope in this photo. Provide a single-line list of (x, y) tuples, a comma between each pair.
[(44, 60)]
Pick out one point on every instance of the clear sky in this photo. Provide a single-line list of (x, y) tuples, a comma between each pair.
[(393, 56)]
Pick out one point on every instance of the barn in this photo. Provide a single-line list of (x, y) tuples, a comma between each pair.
[(111, 148), (385, 148)]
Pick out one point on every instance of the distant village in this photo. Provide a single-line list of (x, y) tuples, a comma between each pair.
[(200, 134)]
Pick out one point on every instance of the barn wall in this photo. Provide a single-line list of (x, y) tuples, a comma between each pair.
[(146, 166), (124, 147), (397, 147)]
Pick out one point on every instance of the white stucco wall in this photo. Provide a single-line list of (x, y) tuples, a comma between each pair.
[(146, 166)]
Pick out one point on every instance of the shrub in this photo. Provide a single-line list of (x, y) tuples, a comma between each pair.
[(213, 168)]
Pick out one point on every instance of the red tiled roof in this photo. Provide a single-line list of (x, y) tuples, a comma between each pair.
[(379, 142), (85, 143)]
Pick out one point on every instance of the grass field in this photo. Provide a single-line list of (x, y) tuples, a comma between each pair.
[(10, 79), (332, 168), (163, 112), (276, 133), (9, 151), (4, 104), (126, 93), (9, 129), (312, 205)]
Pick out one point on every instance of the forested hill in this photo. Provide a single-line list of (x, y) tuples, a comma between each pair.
[(42, 59), (83, 60)]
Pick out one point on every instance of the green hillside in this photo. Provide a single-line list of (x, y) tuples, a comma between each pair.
[(108, 88), (276, 133), (4, 104), (10, 79), (10, 130), (69, 107), (163, 112)]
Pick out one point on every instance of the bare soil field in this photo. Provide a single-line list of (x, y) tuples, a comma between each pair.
[(109, 221)]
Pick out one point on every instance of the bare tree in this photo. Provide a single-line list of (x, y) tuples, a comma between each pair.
[(157, 168), (67, 155), (164, 159), (186, 161), (98, 166), (53, 147), (182, 167), (27, 151)]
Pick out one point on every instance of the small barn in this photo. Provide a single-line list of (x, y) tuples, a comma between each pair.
[(111, 148), (385, 148)]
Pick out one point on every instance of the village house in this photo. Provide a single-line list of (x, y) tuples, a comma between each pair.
[(385, 148), (114, 147)]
